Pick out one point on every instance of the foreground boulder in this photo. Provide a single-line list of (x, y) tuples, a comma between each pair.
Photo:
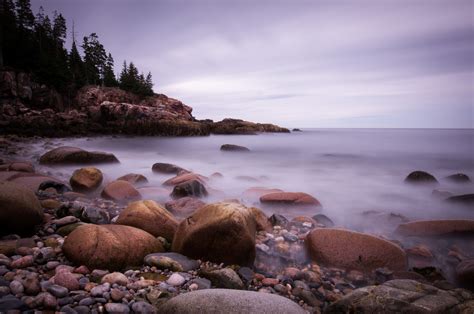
[(421, 177), (220, 232), (74, 155), (20, 210), (109, 247), (424, 228), (234, 148), (184, 206), (354, 250), (86, 180), (189, 188), (32, 181), (151, 217), (402, 296), (161, 167), (120, 191), (229, 301), (289, 198)]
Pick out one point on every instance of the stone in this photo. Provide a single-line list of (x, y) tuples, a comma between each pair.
[(67, 229), (223, 278), (143, 307), (354, 250), (201, 283), (421, 177), (117, 308), (117, 295), (115, 278), (323, 220), (67, 280), (262, 221), (426, 228), (290, 198), (171, 261), (134, 178), (175, 280), (184, 177), (23, 262), (21, 167), (397, 296), (459, 178), (189, 188), (465, 273), (86, 180), (229, 301), (50, 204), (65, 221), (220, 232), (16, 287), (184, 206), (464, 199), (98, 291), (151, 217), (109, 246), (58, 291), (234, 148), (161, 167), (20, 210), (74, 155), (278, 220), (237, 126), (10, 303), (120, 191)]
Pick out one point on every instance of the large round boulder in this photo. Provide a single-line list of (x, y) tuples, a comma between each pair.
[(31, 181), (184, 206), (185, 177), (74, 155), (151, 217), (161, 167), (354, 250), (289, 198), (459, 178), (134, 178), (120, 191), (220, 232), (86, 180), (421, 177), (189, 188), (214, 301), (20, 210), (423, 228), (109, 247)]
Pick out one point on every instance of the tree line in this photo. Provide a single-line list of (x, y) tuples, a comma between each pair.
[(36, 44)]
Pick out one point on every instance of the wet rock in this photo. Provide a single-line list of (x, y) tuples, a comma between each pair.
[(10, 303), (229, 301), (185, 177), (465, 273), (161, 167), (134, 178), (176, 280), (58, 291), (465, 199), (67, 229), (20, 210), (120, 191), (115, 278), (278, 220), (109, 246), (220, 232), (9, 247), (74, 155), (323, 220), (459, 178), (257, 192), (171, 261), (234, 148), (348, 249), (421, 177), (16, 287), (223, 278), (143, 307), (436, 227), (67, 280), (117, 308), (59, 187), (262, 221), (400, 296), (23, 262), (95, 215), (289, 198), (151, 217), (86, 180), (184, 206), (117, 295), (193, 188)]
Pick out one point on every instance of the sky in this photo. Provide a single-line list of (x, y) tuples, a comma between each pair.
[(324, 64)]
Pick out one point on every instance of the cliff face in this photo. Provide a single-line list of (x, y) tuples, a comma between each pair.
[(32, 109)]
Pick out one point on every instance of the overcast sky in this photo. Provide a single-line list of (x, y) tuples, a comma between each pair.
[(297, 63)]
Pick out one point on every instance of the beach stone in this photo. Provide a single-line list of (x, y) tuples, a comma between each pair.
[(171, 261), (184, 177), (50, 204), (134, 178), (465, 199), (229, 301), (257, 192), (459, 178), (16, 287), (65, 221), (20, 210), (23, 262), (262, 221), (109, 247), (58, 291), (67, 229), (161, 167), (74, 155), (67, 280), (202, 283), (323, 220), (220, 232), (184, 206), (424, 228), (234, 148), (189, 188), (95, 215), (120, 191), (99, 290), (397, 296), (175, 280), (115, 278), (117, 308), (289, 198), (9, 247), (223, 278), (278, 220), (86, 180), (117, 295), (21, 167), (143, 307), (421, 177), (354, 250), (465, 273), (151, 217)]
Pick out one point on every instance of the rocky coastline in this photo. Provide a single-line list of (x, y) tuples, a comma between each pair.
[(89, 244)]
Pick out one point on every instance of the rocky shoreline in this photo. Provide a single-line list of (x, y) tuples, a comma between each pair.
[(88, 245)]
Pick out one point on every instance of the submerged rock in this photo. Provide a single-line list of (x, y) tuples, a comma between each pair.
[(459, 178), (436, 227), (86, 180), (234, 148), (421, 177), (220, 232), (120, 191), (109, 246), (465, 199), (134, 178), (185, 177), (184, 206), (161, 167), (354, 250), (20, 210), (189, 188), (289, 198), (74, 155)]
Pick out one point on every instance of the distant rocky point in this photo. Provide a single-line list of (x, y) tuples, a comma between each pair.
[(29, 108)]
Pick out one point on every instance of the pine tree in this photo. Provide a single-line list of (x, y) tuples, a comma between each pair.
[(94, 59), (59, 29), (149, 83), (26, 19), (8, 31), (109, 75), (76, 67)]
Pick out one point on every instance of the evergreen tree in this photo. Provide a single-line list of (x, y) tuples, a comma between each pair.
[(94, 59), (109, 75), (26, 19), (59, 29), (76, 67), (8, 32)]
